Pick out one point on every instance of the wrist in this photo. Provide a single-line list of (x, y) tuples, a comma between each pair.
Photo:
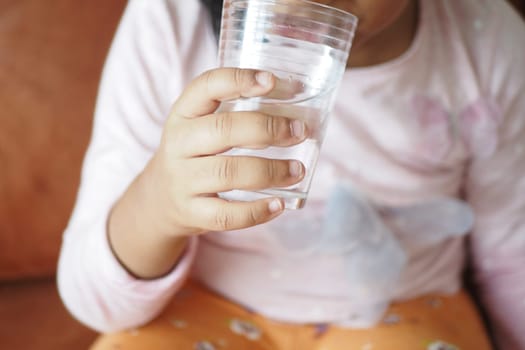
[(155, 193), (140, 232)]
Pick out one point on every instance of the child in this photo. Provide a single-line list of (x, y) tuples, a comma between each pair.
[(426, 143)]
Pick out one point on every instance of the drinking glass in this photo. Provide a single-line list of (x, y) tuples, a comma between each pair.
[(306, 46)]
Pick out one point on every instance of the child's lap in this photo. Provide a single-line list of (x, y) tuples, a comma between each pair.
[(198, 319)]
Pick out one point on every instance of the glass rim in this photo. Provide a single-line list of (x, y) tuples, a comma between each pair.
[(268, 23), (321, 8), (336, 38)]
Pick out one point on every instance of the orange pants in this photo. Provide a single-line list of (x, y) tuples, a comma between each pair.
[(197, 319)]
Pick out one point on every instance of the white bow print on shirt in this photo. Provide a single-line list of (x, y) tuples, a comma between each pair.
[(371, 241)]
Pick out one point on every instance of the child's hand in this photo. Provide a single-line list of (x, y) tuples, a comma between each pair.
[(176, 194), (188, 171)]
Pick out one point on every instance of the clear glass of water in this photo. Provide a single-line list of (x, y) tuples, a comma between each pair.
[(306, 46)]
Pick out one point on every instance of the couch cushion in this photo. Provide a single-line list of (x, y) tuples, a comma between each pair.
[(33, 317), (51, 54)]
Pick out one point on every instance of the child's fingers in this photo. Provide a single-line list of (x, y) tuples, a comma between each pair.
[(218, 133), (204, 94), (216, 214), (225, 173)]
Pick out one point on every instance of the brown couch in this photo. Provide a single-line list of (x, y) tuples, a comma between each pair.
[(51, 54)]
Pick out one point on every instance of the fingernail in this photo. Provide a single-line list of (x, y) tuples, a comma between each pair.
[(296, 168), (263, 78), (298, 128), (275, 206)]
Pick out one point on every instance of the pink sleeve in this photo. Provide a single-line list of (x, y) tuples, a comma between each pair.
[(496, 190), (101, 294), (142, 77)]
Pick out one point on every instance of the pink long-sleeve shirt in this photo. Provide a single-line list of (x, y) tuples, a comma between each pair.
[(423, 165)]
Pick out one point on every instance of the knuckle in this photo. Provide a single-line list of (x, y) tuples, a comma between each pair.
[(272, 127), (222, 220), (253, 217), (243, 78), (226, 169), (224, 124), (208, 78), (177, 140), (272, 170)]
